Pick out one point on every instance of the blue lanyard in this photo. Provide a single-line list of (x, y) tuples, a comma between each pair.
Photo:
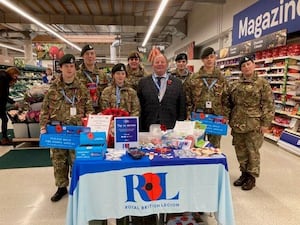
[(211, 85), (118, 96), (72, 101), (90, 79), (156, 82)]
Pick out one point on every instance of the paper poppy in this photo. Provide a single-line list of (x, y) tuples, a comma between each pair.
[(58, 128), (169, 82), (163, 127)]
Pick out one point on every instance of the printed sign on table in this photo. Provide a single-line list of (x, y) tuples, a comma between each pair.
[(126, 132)]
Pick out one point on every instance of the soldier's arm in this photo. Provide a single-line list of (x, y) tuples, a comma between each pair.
[(267, 105), (188, 97), (226, 101), (135, 104), (104, 100), (44, 113)]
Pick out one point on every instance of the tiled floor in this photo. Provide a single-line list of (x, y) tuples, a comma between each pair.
[(25, 193)]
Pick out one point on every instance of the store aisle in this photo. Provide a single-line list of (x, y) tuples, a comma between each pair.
[(25, 193)]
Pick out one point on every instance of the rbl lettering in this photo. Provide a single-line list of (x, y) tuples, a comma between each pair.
[(149, 186)]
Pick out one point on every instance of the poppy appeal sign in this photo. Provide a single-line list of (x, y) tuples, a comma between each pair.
[(126, 132)]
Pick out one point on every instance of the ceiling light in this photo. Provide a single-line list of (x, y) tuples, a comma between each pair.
[(40, 24), (91, 38), (160, 10), (13, 48)]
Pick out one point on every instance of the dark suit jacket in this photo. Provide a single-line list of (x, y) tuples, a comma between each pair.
[(166, 112)]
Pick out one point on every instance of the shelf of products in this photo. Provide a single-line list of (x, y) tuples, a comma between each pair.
[(29, 93), (282, 72), (230, 67)]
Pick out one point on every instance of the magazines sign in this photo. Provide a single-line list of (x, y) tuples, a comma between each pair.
[(265, 17)]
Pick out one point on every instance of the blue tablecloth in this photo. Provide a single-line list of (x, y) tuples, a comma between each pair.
[(114, 189)]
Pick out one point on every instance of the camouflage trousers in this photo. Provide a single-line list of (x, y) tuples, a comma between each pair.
[(215, 140), (62, 161), (247, 147)]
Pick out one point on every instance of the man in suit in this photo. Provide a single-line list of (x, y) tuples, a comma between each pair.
[(161, 97)]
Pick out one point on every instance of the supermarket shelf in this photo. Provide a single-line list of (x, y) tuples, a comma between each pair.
[(288, 147), (24, 142), (271, 137), (280, 124), (293, 132)]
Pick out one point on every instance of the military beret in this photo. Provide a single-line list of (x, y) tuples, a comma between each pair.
[(134, 55), (245, 59), (118, 67), (86, 48), (181, 56), (206, 52), (67, 58)]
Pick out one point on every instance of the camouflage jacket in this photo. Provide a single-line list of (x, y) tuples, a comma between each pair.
[(182, 77), (249, 104), (133, 77), (96, 77), (198, 92), (128, 99), (56, 107)]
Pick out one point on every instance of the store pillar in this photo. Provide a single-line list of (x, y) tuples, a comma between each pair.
[(28, 57)]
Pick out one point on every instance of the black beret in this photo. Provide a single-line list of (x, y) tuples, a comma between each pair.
[(181, 56), (245, 59), (67, 58), (118, 67), (86, 48), (206, 52), (134, 55)]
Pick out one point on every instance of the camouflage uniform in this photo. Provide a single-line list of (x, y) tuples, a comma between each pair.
[(56, 108), (134, 76), (249, 105), (198, 93), (182, 77), (98, 78), (128, 99)]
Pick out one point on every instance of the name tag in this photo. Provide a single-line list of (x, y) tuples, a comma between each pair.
[(73, 111), (208, 104)]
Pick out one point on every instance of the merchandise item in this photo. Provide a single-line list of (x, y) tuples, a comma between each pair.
[(181, 56), (206, 52), (68, 58), (118, 67), (86, 48), (245, 59), (134, 55)]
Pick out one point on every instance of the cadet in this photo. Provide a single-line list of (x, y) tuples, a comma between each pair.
[(119, 94), (181, 71), (249, 106), (134, 69), (204, 90), (66, 102), (91, 76)]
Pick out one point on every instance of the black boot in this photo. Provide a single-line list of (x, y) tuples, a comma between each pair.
[(59, 194), (249, 184), (242, 179)]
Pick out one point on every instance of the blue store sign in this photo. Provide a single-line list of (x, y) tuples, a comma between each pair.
[(265, 17)]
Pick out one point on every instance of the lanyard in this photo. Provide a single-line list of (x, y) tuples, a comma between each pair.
[(211, 85), (90, 79), (156, 82), (72, 101), (118, 96)]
